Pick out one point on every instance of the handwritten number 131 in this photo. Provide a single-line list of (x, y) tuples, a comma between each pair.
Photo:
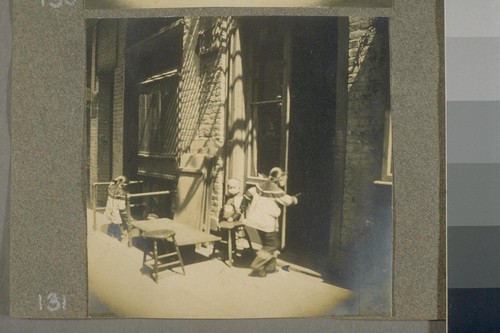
[(52, 303), (57, 3)]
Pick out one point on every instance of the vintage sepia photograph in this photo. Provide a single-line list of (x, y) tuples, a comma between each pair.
[(239, 167)]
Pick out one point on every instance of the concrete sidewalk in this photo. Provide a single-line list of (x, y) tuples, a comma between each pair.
[(210, 289)]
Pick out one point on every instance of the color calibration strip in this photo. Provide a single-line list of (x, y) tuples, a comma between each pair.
[(473, 160)]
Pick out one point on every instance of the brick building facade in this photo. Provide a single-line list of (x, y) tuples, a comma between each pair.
[(308, 94)]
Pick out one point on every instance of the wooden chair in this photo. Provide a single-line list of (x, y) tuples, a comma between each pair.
[(153, 260), (130, 205), (166, 230)]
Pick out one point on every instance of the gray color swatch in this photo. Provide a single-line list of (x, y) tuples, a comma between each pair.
[(473, 257), (473, 134), (473, 195), (473, 69), (465, 18)]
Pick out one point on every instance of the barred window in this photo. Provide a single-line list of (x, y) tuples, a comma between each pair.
[(158, 125)]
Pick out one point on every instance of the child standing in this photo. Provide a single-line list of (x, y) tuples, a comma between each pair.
[(263, 213), (116, 208)]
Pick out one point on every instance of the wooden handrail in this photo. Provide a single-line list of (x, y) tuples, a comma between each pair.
[(94, 198), (148, 194), (128, 206)]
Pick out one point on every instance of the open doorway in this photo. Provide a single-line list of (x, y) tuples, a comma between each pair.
[(311, 135), (291, 115)]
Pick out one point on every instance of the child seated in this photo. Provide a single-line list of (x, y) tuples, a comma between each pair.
[(231, 211)]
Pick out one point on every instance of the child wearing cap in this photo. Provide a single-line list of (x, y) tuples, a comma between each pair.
[(266, 199), (115, 207)]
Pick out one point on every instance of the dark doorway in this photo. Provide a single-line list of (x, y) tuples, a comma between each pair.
[(312, 116)]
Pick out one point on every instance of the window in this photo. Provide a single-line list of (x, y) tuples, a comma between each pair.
[(268, 114), (153, 61), (208, 37), (158, 124)]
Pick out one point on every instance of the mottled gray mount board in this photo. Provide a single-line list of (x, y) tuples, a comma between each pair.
[(48, 236)]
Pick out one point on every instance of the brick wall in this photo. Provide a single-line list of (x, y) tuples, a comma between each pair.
[(202, 98), (106, 44), (118, 101), (101, 140), (202, 90), (201, 101), (93, 150), (92, 139), (368, 99), (189, 86)]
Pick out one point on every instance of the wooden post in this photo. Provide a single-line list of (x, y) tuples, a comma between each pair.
[(94, 205)]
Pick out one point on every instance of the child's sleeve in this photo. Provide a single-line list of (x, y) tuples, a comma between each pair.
[(221, 214), (237, 215), (245, 202), (287, 200)]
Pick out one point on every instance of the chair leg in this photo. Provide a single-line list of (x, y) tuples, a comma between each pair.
[(155, 258), (213, 251), (179, 255), (129, 230), (144, 256), (247, 237), (230, 247)]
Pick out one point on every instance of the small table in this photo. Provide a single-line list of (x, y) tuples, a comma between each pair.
[(184, 234)]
